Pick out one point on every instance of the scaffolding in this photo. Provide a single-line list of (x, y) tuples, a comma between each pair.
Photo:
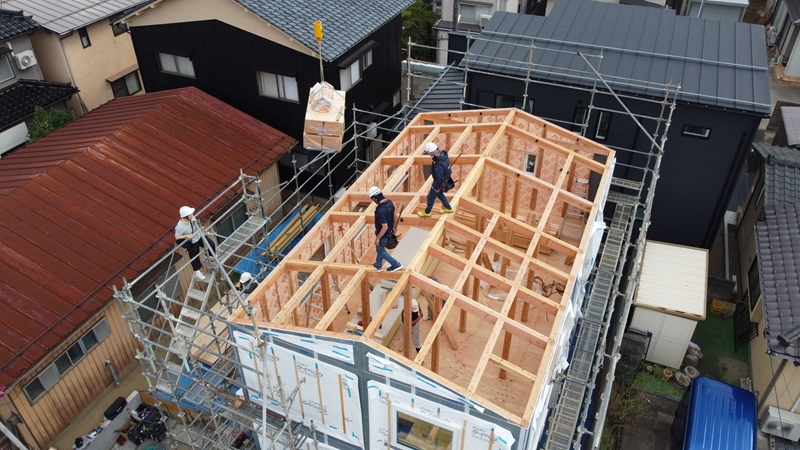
[(188, 353)]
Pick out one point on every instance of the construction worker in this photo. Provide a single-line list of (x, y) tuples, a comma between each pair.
[(247, 283), (189, 236), (384, 227), (441, 172), (416, 318)]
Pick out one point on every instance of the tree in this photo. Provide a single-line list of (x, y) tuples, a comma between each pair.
[(418, 20), (45, 121)]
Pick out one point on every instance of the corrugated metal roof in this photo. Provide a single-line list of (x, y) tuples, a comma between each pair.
[(65, 16), (345, 22), (97, 200), (781, 174), (444, 94), (673, 279), (777, 247), (793, 6), (13, 23), (718, 63), (791, 124)]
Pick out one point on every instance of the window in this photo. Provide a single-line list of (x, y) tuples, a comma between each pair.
[(417, 433), (366, 60), (472, 13), (127, 85), (228, 225), (350, 75), (603, 121), (84, 35), (695, 131), (119, 28), (176, 65), (6, 72), (277, 86), (51, 374), (530, 164), (509, 101), (579, 118), (437, 7)]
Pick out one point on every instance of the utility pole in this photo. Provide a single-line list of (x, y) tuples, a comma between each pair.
[(455, 15)]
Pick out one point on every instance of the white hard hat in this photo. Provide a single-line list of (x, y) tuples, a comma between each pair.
[(186, 210), (414, 305), (373, 191), (245, 277), (431, 148)]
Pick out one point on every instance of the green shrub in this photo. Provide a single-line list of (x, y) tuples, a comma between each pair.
[(46, 121)]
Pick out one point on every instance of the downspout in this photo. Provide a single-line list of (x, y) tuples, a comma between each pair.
[(771, 384), (11, 437), (72, 76), (796, 403)]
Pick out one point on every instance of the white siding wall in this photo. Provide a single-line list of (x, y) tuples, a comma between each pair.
[(671, 335)]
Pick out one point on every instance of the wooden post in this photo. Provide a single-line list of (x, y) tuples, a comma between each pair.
[(319, 389), (515, 199), (436, 306), (526, 306), (507, 338), (341, 400), (366, 314), (325, 285), (407, 321)]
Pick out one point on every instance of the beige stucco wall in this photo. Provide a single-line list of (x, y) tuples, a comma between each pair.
[(86, 68), (227, 11), (787, 386)]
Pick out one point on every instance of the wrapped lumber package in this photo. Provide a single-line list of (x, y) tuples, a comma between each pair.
[(324, 124)]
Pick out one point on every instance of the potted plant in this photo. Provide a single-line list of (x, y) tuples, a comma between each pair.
[(667, 374)]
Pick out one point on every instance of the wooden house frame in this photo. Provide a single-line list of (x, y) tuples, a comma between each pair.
[(508, 232)]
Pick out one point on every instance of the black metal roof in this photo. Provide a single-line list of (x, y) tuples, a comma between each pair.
[(718, 63), (777, 244), (18, 100), (444, 94), (13, 23)]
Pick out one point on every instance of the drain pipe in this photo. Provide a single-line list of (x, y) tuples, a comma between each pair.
[(113, 372), (11, 437)]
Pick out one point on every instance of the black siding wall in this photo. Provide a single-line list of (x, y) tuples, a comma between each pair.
[(697, 176), (226, 59)]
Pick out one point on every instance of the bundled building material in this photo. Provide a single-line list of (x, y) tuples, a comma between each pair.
[(324, 124)]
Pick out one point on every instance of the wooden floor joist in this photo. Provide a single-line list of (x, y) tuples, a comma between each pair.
[(504, 213)]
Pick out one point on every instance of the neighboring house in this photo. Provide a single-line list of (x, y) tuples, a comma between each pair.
[(471, 17), (783, 32), (724, 95), (21, 81), (716, 9), (262, 58), (90, 203), (78, 44), (767, 236)]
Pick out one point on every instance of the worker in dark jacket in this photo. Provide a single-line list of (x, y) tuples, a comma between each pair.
[(441, 172)]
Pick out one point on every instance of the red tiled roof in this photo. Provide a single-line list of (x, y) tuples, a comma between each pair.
[(97, 200)]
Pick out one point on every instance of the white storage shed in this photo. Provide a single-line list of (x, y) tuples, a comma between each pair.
[(732, 10), (670, 299)]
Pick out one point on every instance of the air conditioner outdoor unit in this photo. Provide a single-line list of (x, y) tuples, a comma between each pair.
[(772, 36), (25, 59), (781, 423), (485, 19)]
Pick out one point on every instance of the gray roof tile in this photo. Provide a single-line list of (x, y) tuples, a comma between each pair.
[(64, 16), (718, 63), (781, 174), (13, 23), (345, 22), (777, 243)]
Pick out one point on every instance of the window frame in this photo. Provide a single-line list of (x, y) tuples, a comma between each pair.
[(691, 134), (599, 125), (119, 28), (366, 60), (349, 71), (7, 59), (579, 118), (753, 284), (177, 66), (500, 101), (280, 84), (395, 440), (526, 164), (124, 80), (476, 14), (83, 34), (238, 214), (53, 370)]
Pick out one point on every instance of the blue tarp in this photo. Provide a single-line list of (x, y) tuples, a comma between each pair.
[(253, 260)]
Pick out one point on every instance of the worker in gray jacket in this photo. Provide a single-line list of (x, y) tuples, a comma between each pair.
[(189, 236)]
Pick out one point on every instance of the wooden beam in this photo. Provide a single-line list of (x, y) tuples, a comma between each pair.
[(347, 293), (366, 315), (489, 347), (301, 294), (505, 364), (380, 315), (555, 147), (407, 298), (325, 287)]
